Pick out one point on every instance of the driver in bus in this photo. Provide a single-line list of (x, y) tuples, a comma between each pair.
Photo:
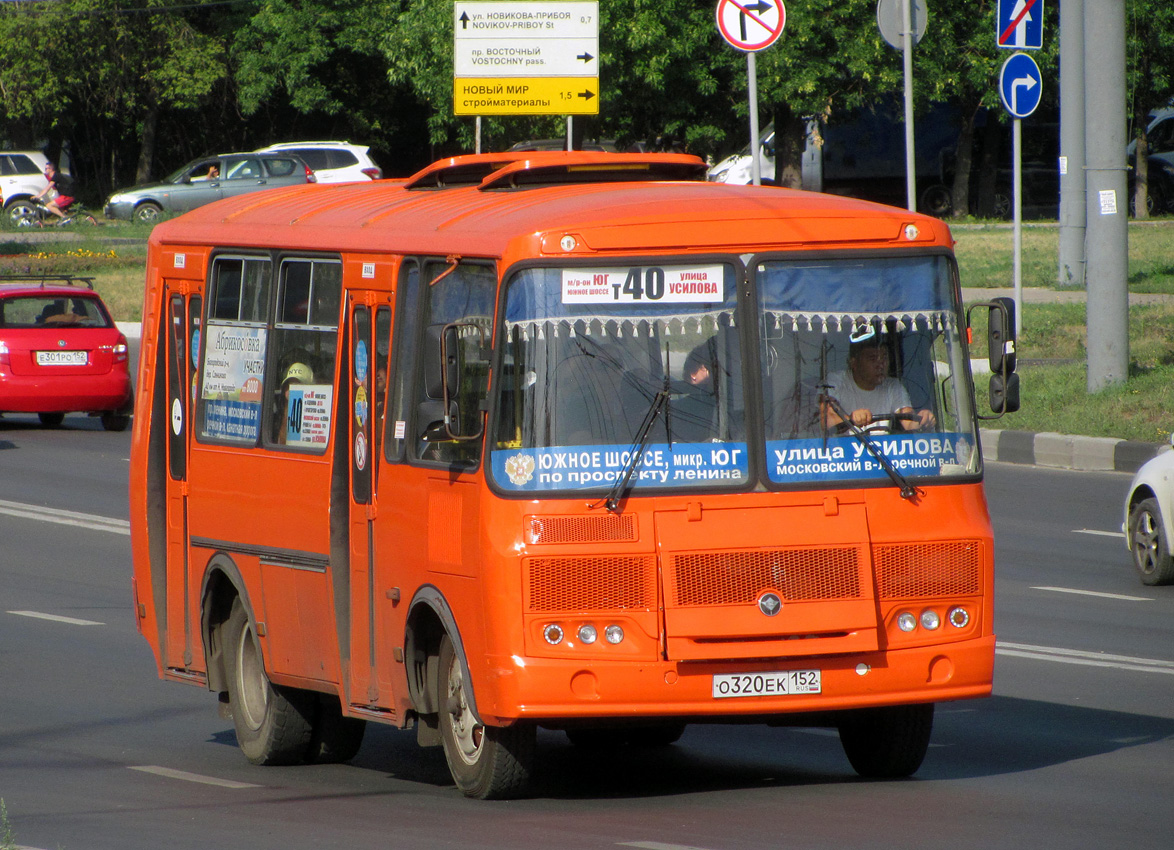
[(866, 390)]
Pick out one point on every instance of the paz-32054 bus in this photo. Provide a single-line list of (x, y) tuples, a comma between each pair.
[(563, 440)]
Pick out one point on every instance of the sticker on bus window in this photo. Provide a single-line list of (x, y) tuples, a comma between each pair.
[(643, 284), (308, 415), (837, 458), (234, 366)]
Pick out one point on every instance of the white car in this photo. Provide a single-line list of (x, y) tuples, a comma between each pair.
[(1149, 519), (333, 162), (22, 175)]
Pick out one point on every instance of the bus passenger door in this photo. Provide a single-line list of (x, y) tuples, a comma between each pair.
[(370, 340), (182, 343)]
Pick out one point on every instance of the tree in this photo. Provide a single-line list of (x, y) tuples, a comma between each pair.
[(1149, 32)]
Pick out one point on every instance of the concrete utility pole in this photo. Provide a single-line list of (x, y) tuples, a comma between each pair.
[(1107, 235), (1072, 144)]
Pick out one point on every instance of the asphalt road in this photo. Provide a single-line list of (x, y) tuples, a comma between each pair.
[(1074, 750)]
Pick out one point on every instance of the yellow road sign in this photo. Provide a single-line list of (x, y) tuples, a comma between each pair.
[(526, 96)]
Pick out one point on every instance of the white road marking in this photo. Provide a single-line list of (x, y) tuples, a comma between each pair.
[(192, 777), (1098, 532), (1095, 593), (92, 521), (658, 845), (1087, 659), (57, 618)]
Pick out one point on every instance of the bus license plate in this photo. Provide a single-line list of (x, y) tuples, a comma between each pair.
[(784, 683), (61, 358)]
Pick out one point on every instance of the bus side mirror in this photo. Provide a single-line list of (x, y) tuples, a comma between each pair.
[(1004, 393), (1001, 335)]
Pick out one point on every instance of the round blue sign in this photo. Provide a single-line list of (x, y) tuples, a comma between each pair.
[(1021, 85)]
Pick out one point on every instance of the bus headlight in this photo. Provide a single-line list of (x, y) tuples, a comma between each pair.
[(906, 622), (613, 634), (553, 634), (930, 618), (958, 617), (587, 633)]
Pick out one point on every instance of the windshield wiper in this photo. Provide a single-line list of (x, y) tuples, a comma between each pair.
[(612, 500), (908, 491)]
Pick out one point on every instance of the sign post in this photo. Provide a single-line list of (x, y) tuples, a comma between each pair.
[(1020, 89), (526, 58), (751, 26), (902, 24)]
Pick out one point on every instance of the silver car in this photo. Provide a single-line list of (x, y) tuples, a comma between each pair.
[(205, 180), (1149, 519)]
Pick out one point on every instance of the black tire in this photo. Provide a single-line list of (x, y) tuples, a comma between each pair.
[(1147, 542), (936, 201), (273, 724), (147, 212), (486, 762), (115, 421), (336, 738), (51, 420), (22, 212), (888, 742)]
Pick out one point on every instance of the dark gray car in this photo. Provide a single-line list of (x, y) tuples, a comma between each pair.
[(208, 179)]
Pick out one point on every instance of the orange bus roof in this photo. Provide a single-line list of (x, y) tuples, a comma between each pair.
[(600, 198)]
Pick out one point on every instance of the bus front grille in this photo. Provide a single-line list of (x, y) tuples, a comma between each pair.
[(927, 570), (602, 528), (728, 578), (606, 583)]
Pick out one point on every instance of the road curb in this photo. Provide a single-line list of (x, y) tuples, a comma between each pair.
[(1064, 451)]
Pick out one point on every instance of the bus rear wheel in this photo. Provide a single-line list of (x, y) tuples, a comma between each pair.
[(888, 742), (273, 724), (486, 762)]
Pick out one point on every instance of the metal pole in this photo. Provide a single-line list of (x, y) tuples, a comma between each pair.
[(1071, 272), (1017, 218), (752, 85), (1106, 232), (570, 137), (907, 50), (477, 134)]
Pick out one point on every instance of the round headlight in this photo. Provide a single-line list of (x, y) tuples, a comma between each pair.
[(613, 634), (930, 618), (906, 622), (587, 633), (958, 617), (553, 633)]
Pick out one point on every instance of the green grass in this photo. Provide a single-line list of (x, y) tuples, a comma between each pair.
[(1052, 348)]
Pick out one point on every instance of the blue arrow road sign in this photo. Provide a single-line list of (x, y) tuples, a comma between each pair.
[(1019, 24), (1020, 85)]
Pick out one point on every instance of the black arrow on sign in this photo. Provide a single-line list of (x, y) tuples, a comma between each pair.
[(759, 7), (464, 19), (587, 95), (585, 57)]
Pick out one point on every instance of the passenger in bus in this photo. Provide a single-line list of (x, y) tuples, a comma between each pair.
[(694, 413), (297, 373), (866, 390)]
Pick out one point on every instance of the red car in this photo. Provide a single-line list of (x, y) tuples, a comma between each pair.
[(60, 352)]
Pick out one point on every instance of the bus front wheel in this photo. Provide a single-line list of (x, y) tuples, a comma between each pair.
[(273, 724), (486, 762), (888, 742)]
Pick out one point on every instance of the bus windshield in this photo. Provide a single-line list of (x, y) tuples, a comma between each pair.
[(588, 352)]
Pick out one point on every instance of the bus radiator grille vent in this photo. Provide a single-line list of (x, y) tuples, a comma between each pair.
[(729, 578), (922, 570), (590, 584), (608, 528)]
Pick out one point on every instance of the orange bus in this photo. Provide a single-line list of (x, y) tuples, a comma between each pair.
[(573, 440)]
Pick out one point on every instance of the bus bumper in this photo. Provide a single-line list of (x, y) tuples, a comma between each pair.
[(543, 689)]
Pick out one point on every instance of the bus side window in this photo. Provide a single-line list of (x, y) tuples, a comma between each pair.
[(405, 357), (302, 353), (462, 295)]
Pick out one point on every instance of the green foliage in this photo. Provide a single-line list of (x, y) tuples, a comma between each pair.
[(7, 838)]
